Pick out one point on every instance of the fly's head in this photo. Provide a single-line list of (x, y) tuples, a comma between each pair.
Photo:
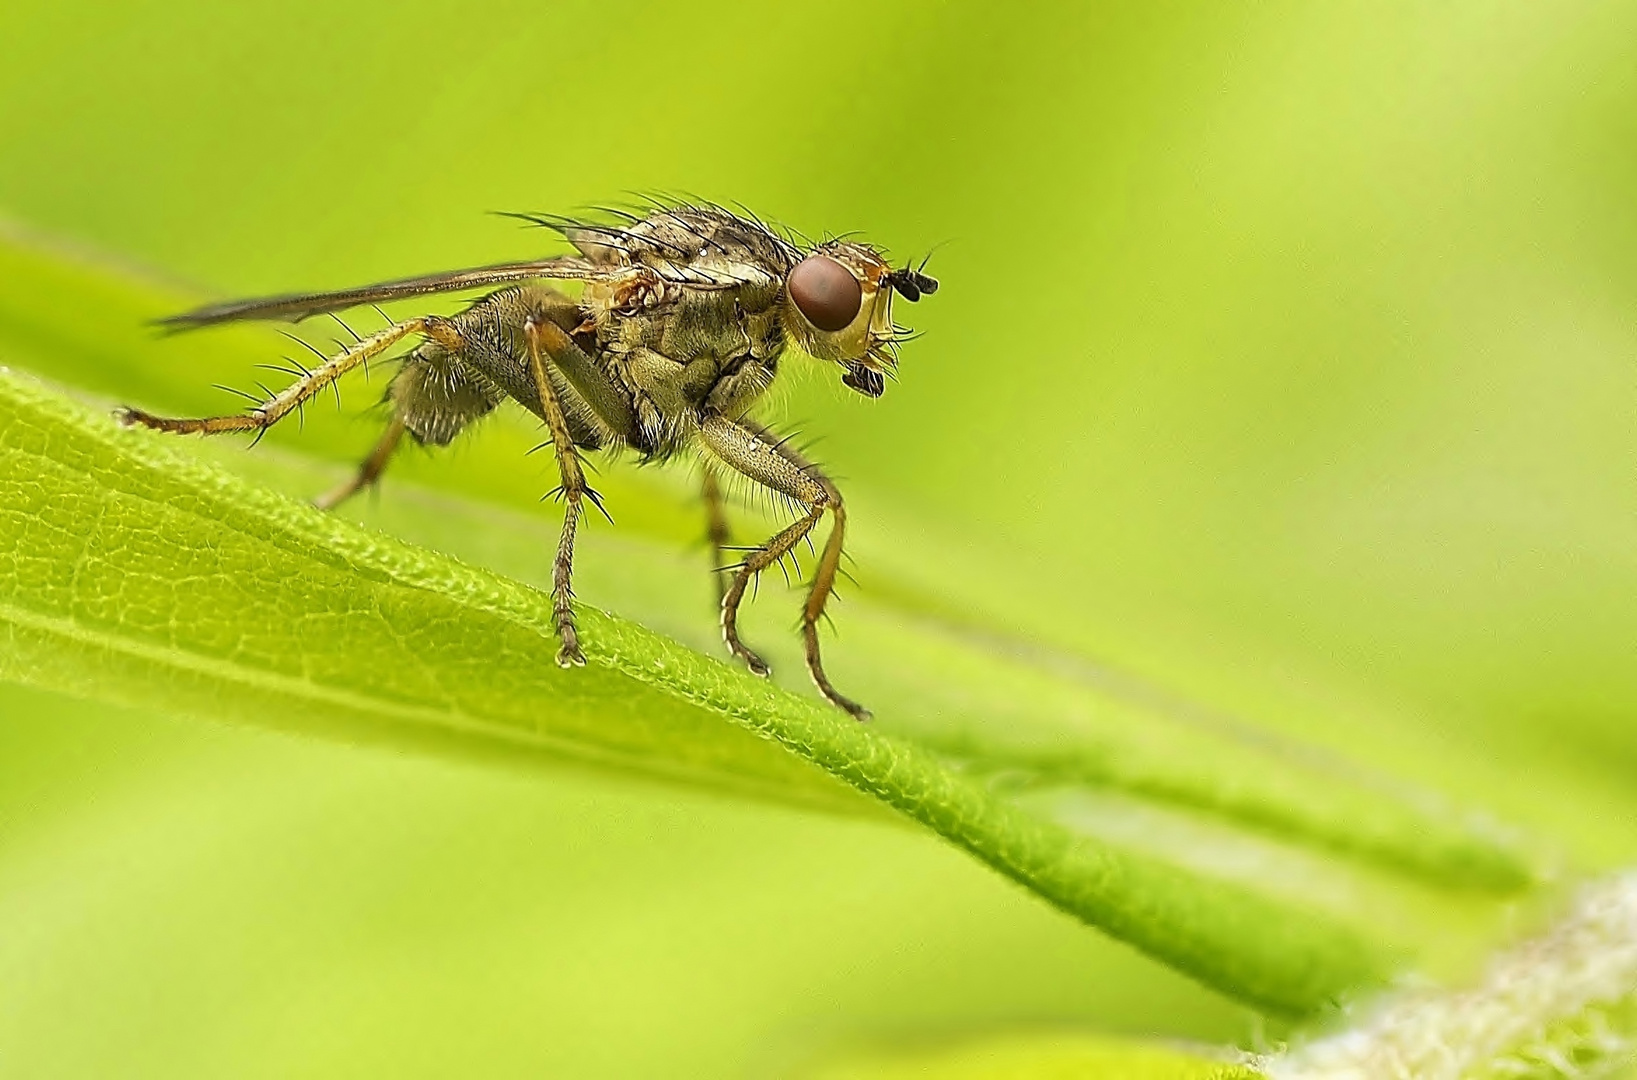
[(838, 307)]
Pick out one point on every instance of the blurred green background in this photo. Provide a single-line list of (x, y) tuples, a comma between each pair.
[(1286, 359)]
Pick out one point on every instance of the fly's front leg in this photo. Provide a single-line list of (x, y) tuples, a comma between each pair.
[(774, 465), (545, 337), (267, 413)]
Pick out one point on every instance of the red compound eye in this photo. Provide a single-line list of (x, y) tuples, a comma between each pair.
[(826, 292)]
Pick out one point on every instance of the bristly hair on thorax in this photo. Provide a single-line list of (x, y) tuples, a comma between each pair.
[(698, 243), (672, 235)]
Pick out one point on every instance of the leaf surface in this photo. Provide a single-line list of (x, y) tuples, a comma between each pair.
[(135, 570)]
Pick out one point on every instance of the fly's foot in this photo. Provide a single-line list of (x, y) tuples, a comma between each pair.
[(755, 663), (568, 638), (846, 704), (815, 668), (568, 633), (857, 711), (569, 654), (255, 420), (730, 626)]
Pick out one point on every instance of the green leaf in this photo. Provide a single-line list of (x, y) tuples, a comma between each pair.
[(1559, 1005), (137, 572), (966, 690), (1283, 362), (134, 572)]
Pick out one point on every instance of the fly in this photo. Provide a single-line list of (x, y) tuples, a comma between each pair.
[(682, 319)]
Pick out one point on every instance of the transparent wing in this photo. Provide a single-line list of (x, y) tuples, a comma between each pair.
[(298, 306)]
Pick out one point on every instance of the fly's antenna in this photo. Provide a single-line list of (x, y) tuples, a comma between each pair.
[(911, 284)]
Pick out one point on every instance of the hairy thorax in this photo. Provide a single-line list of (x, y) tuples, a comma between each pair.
[(681, 354)]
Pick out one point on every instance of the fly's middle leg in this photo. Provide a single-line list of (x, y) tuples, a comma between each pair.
[(545, 338)]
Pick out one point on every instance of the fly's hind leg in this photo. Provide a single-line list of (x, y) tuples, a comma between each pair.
[(265, 414), (773, 464)]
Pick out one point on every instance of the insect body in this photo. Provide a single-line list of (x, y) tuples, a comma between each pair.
[(681, 323)]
